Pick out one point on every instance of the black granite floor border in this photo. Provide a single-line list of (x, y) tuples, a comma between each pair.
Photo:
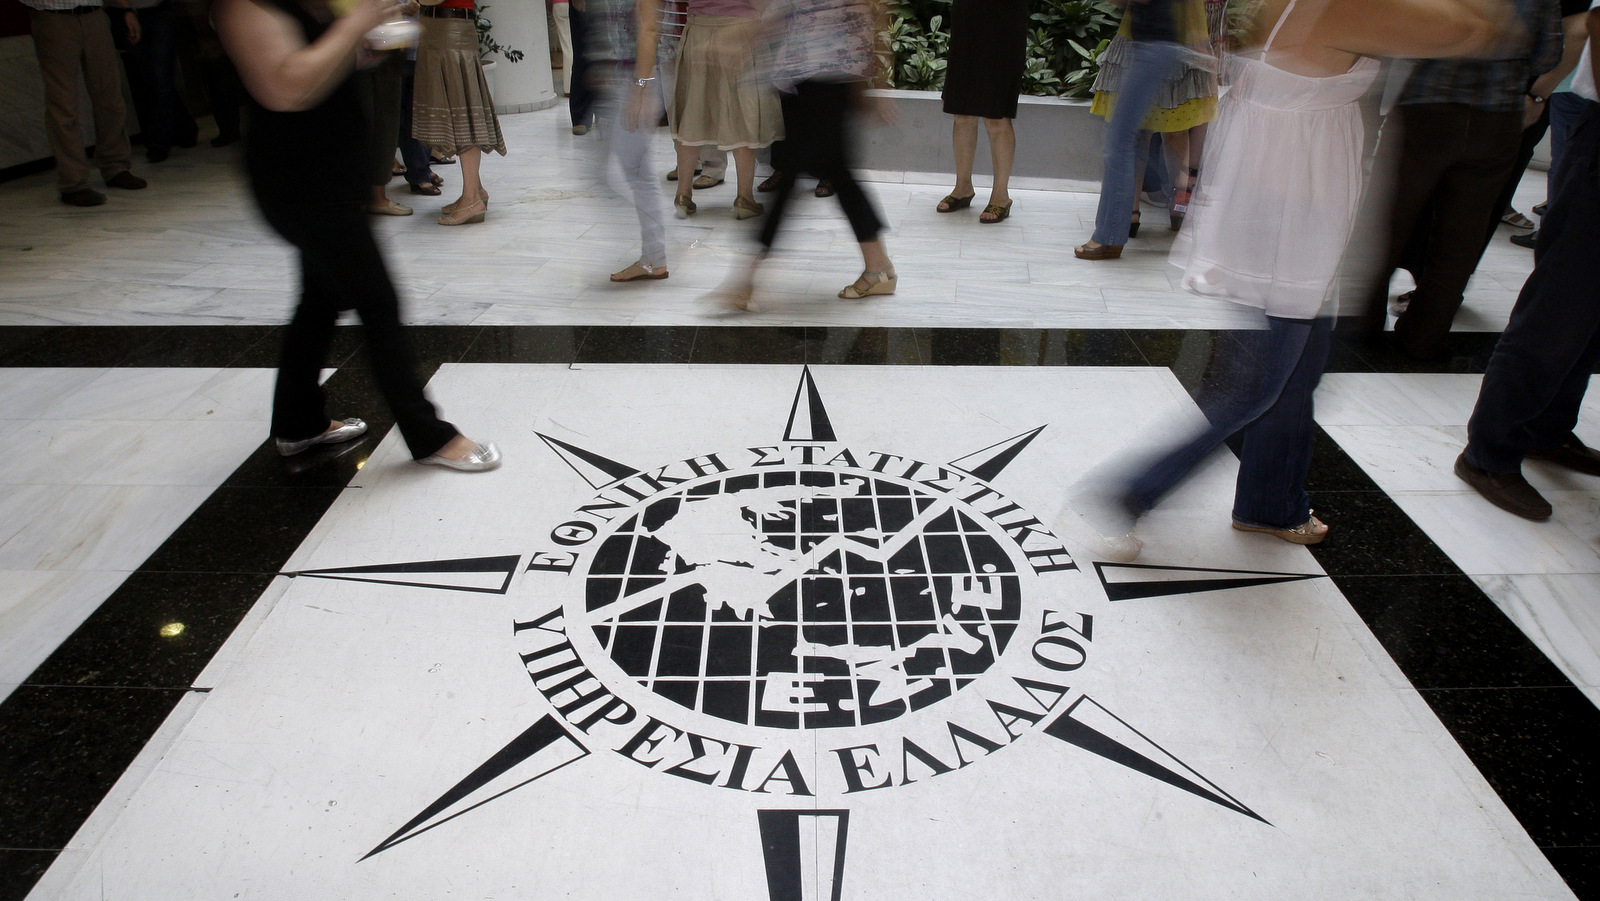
[(70, 731), (256, 346)]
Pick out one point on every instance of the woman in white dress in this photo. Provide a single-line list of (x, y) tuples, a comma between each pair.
[(1268, 229)]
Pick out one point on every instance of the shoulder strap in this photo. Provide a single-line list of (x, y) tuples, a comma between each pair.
[(1278, 27)]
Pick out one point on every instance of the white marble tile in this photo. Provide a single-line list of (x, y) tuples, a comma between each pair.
[(1405, 458), (1558, 612), (232, 394), (1483, 540), (1363, 399), (130, 394), (64, 451), (39, 609), (197, 453), (21, 504), (26, 392), (102, 527), (350, 707)]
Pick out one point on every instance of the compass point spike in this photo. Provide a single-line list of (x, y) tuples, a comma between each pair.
[(598, 471), (808, 418), (1089, 725), (501, 774), (989, 462)]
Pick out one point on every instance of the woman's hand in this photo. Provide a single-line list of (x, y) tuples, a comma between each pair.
[(635, 107)]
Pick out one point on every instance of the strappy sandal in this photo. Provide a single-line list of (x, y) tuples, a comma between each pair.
[(640, 271), (994, 213), (771, 183), (951, 203), (466, 215), (871, 284), (824, 188), (1312, 531), (454, 205)]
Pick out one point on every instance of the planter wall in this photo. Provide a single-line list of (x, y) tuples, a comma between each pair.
[(1056, 138)]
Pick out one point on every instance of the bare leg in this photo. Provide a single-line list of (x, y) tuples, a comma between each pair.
[(875, 256), (688, 157), (1175, 147), (877, 277), (1003, 148), (964, 138), (471, 187), (744, 163)]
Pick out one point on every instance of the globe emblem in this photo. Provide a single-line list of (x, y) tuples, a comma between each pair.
[(801, 599)]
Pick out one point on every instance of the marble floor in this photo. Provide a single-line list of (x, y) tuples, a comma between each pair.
[(224, 674)]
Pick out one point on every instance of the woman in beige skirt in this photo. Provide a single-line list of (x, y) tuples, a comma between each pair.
[(453, 112), (721, 99)]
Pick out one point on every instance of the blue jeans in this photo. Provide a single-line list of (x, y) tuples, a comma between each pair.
[(1565, 110), (1153, 63), (1259, 391), (1534, 384)]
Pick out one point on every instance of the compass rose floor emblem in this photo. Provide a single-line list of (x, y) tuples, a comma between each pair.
[(770, 632)]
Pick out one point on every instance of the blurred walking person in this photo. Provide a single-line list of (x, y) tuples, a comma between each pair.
[(822, 65), (297, 62), (624, 38), (1267, 230)]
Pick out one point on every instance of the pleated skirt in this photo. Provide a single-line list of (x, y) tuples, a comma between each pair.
[(722, 99), (452, 110)]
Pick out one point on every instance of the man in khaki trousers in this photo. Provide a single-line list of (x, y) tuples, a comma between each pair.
[(69, 35)]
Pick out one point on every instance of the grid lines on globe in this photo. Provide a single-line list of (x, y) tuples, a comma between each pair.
[(803, 599)]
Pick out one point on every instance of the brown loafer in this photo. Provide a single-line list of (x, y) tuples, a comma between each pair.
[(1103, 252), (1507, 490)]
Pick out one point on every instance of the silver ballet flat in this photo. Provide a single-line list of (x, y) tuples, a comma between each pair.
[(483, 458), (350, 428)]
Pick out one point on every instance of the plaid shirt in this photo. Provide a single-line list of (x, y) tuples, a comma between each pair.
[(1494, 85)]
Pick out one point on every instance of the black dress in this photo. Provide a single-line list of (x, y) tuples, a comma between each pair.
[(988, 52), (317, 207)]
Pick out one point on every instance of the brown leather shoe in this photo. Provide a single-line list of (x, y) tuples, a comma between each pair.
[(1507, 490), (1574, 455), (127, 181), (82, 197)]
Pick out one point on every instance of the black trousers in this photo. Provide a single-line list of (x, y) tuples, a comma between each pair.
[(342, 269), (1454, 163), (1536, 378), (816, 119)]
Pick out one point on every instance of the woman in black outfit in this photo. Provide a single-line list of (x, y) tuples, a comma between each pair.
[(296, 60), (983, 76)]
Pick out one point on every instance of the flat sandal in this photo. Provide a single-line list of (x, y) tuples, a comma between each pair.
[(1312, 531)]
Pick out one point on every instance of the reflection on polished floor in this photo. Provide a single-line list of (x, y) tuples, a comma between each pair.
[(777, 623)]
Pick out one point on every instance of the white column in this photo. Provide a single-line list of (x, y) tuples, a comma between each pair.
[(527, 85)]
